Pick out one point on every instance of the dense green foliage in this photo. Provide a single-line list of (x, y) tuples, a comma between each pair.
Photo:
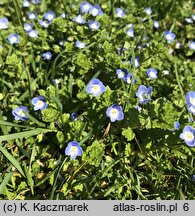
[(139, 157)]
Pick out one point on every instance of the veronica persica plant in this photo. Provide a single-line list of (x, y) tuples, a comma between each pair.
[(152, 73), (188, 135), (95, 87), (3, 23), (169, 36), (73, 150), (39, 103), (19, 113), (144, 94), (115, 112)]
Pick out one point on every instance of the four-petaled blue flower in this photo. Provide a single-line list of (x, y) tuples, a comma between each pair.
[(115, 112), (190, 99), (85, 7), (152, 73), (137, 62), (74, 116), (192, 45), (156, 24), (50, 15), (94, 25), (130, 32), (44, 23), (32, 16), (95, 87), (39, 103), (33, 33), (47, 55), (120, 13), (13, 38), (79, 19), (19, 113), (121, 73), (148, 11), (169, 36), (188, 135), (3, 23), (73, 149), (25, 3), (80, 44), (144, 94), (28, 26), (96, 10)]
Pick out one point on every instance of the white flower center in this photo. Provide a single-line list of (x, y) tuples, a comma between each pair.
[(39, 103), (21, 113), (189, 136), (96, 88), (192, 101), (114, 113), (73, 150)]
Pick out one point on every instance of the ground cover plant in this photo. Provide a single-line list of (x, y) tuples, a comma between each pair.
[(97, 99)]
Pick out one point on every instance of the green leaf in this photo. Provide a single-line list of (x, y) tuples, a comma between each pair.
[(128, 133)]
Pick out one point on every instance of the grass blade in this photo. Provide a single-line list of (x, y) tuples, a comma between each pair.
[(14, 162), (25, 134)]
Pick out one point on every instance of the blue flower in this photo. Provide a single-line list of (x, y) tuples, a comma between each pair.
[(33, 33), (130, 32), (96, 10), (80, 44), (137, 62), (79, 19), (73, 149), (44, 23), (63, 15), (128, 78), (188, 135), (28, 26), (193, 178), (13, 38), (74, 116), (19, 113), (115, 112), (169, 36), (35, 1), (188, 20), (32, 16), (85, 7), (121, 72), (95, 87), (94, 25), (50, 15), (152, 73), (176, 125), (192, 45), (148, 11), (144, 94), (39, 103), (156, 24), (3, 23), (120, 13), (25, 3), (190, 99), (47, 56)]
